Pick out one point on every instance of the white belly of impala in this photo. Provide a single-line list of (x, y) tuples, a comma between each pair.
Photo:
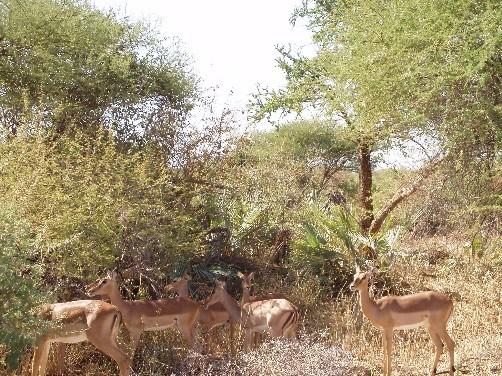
[(258, 328), (410, 326), (75, 338), (409, 320), (158, 327)]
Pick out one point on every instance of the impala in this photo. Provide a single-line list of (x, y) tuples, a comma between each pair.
[(82, 320), (278, 316), (246, 281), (210, 317), (430, 309), (149, 315)]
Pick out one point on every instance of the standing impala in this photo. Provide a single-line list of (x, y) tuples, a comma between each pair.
[(82, 320), (149, 315), (246, 282), (278, 316), (210, 317), (429, 309)]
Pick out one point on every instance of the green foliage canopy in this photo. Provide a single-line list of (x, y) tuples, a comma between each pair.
[(88, 204), (77, 65), (392, 68), (291, 162)]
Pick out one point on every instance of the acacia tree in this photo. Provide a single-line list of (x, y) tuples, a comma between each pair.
[(303, 157), (75, 65), (391, 71)]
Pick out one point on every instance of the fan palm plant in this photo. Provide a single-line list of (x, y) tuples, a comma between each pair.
[(329, 242)]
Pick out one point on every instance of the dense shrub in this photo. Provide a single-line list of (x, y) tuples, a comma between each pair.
[(73, 208)]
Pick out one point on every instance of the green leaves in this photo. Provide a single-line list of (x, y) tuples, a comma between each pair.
[(85, 200), (391, 69), (328, 243), (250, 225), (78, 65), (18, 283)]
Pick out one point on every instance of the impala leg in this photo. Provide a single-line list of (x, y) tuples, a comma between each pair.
[(108, 346), (231, 335), (40, 356), (256, 339), (188, 333), (134, 336), (248, 340), (61, 350), (384, 345), (438, 346), (35, 362), (291, 334), (389, 339), (450, 345)]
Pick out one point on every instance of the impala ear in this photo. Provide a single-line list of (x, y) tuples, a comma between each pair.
[(186, 277), (374, 271), (251, 275), (358, 269), (221, 284), (114, 275), (240, 275)]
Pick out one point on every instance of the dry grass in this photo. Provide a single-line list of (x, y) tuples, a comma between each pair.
[(349, 343), (311, 355)]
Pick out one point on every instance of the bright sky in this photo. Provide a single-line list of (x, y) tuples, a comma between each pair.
[(232, 42)]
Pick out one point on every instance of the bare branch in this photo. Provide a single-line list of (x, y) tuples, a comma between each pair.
[(401, 195)]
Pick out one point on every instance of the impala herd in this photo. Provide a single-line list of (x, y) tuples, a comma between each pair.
[(99, 322)]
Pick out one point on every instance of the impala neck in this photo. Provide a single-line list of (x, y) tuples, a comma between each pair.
[(246, 296), (368, 305), (232, 307), (116, 298), (183, 291)]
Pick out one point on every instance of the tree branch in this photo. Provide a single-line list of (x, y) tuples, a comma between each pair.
[(401, 195)]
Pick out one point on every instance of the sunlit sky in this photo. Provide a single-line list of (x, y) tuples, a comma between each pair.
[(232, 42), (232, 46)]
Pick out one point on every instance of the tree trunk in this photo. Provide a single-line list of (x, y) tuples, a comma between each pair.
[(365, 183)]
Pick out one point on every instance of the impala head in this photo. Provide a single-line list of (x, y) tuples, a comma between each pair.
[(179, 284), (103, 286), (218, 293), (246, 280), (361, 279)]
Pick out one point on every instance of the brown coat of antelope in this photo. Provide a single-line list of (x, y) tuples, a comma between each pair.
[(277, 316), (246, 282), (149, 315), (83, 320), (210, 317), (430, 309)]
